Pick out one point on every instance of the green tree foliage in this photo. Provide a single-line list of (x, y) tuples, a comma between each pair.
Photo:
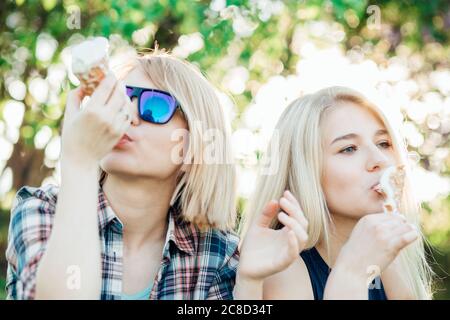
[(260, 37)]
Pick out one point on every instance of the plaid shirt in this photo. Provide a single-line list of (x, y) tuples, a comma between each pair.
[(195, 264)]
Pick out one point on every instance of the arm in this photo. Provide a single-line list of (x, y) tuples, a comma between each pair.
[(344, 283), (247, 288), (74, 240), (279, 286), (30, 230), (395, 284), (88, 134)]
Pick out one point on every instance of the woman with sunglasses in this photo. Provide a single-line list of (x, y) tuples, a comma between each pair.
[(136, 215), (327, 237)]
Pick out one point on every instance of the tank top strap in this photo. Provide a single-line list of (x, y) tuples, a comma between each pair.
[(318, 271)]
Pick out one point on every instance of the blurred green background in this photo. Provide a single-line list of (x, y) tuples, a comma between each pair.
[(262, 54)]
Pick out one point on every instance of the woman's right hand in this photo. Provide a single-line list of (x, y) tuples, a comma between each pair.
[(375, 242), (91, 132), (266, 251)]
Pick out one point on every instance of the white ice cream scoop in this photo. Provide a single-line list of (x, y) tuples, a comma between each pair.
[(90, 63), (88, 54), (391, 186)]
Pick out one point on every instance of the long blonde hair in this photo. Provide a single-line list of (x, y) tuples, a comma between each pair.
[(299, 144), (205, 192)]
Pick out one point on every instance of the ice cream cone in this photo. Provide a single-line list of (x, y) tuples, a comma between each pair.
[(90, 63), (391, 185)]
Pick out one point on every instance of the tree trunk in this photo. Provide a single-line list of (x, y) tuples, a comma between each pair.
[(27, 165)]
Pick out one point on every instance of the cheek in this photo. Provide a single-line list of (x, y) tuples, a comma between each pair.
[(157, 144), (340, 184), (390, 155), (339, 175), (162, 147)]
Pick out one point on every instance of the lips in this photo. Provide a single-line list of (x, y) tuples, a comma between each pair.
[(126, 137), (377, 188), (123, 141)]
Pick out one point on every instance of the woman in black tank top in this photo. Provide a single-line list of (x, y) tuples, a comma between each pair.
[(332, 236)]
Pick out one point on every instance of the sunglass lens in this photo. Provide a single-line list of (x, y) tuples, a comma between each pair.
[(129, 92), (156, 107)]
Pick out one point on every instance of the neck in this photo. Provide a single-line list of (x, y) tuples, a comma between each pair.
[(340, 230), (142, 205)]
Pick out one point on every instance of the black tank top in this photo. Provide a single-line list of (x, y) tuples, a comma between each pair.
[(318, 273)]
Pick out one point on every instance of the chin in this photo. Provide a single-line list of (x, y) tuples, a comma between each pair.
[(115, 165), (366, 210), (374, 209), (117, 160)]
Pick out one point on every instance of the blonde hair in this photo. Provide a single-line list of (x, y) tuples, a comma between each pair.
[(299, 141), (205, 192)]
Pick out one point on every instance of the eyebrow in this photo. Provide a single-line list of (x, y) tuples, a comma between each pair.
[(354, 135)]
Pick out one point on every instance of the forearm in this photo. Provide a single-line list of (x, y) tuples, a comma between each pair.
[(395, 284), (247, 289), (74, 244), (345, 284)]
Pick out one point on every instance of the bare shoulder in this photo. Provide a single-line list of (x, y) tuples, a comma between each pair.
[(290, 284)]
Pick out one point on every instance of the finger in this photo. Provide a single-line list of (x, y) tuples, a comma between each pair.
[(382, 217), (119, 117), (397, 217), (402, 229), (73, 102), (292, 207), (291, 197), (117, 100), (391, 224), (125, 126), (123, 129), (269, 213), (293, 246), (294, 211), (404, 240), (295, 226), (122, 86), (118, 97), (288, 194), (122, 118), (395, 221), (103, 92)]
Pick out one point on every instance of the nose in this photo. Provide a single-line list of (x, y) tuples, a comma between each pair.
[(377, 160)]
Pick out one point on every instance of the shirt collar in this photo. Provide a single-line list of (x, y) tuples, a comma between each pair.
[(105, 212), (182, 233)]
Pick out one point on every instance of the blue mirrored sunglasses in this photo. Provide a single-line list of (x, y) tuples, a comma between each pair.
[(155, 106)]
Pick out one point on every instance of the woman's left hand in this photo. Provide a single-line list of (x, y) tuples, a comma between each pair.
[(266, 251)]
